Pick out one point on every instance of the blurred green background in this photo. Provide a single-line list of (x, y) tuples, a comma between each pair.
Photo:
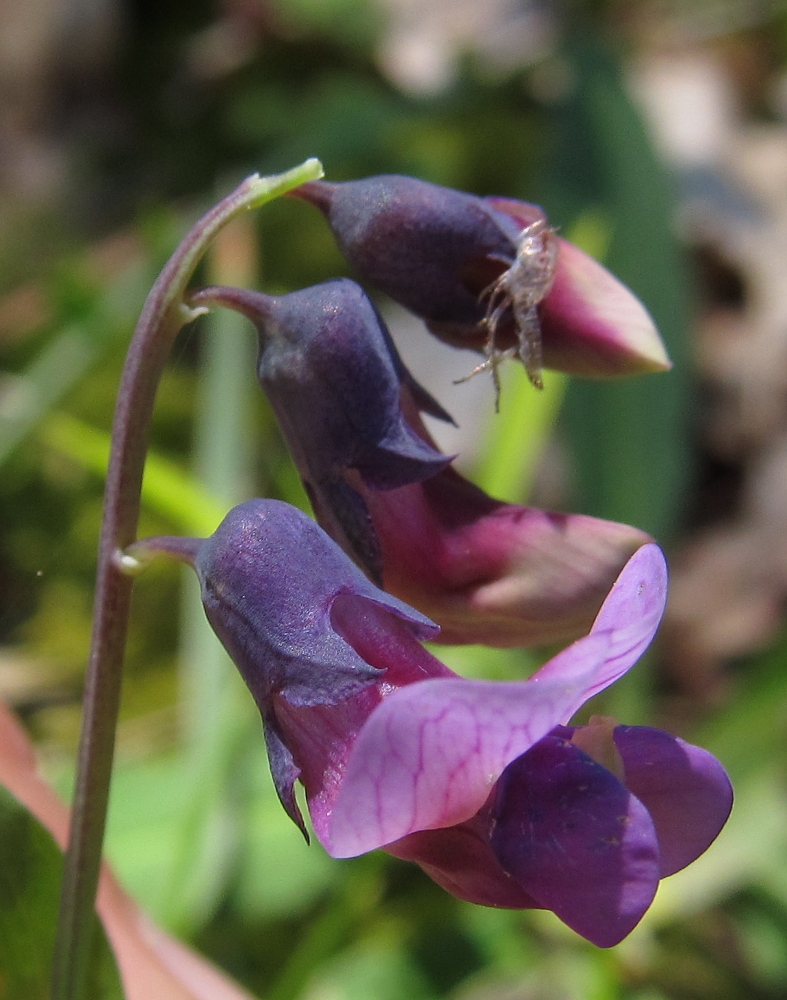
[(121, 123)]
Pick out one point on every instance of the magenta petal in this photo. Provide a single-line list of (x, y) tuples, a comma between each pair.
[(576, 840), (629, 615), (632, 612), (684, 788), (591, 322), (430, 752)]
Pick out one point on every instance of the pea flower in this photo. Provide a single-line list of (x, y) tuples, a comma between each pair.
[(482, 784), (489, 274), (486, 571)]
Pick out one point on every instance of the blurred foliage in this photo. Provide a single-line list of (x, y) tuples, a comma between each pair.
[(31, 864), (629, 440), (195, 829)]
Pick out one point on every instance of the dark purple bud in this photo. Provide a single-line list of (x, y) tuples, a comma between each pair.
[(489, 274), (418, 242), (334, 378), (269, 578)]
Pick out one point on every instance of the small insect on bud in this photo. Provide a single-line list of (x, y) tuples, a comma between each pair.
[(519, 290), (489, 274)]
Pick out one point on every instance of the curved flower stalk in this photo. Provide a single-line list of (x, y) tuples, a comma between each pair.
[(482, 784), (489, 274), (165, 312), (486, 571)]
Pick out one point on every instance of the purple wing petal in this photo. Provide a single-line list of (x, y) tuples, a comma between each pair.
[(576, 840), (684, 788), (430, 753)]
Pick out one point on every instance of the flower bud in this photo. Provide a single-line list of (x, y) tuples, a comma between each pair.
[(486, 571), (496, 573), (334, 379), (489, 274)]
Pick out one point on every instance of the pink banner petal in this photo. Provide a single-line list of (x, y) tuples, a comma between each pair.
[(429, 754)]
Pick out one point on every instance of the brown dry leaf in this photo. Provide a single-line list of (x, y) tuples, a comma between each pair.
[(152, 964)]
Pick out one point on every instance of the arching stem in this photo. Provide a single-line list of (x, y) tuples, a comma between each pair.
[(163, 315)]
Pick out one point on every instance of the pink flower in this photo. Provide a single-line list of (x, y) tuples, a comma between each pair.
[(480, 783), (564, 833)]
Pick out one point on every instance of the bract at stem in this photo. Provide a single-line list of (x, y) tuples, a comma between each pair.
[(163, 315)]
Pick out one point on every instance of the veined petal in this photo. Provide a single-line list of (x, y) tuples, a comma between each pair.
[(633, 610), (429, 753), (576, 840), (629, 617), (684, 788)]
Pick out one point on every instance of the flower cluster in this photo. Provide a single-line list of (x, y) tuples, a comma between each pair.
[(486, 785)]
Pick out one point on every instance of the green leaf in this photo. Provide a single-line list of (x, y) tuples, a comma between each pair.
[(31, 866)]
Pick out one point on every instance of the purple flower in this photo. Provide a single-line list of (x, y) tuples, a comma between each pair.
[(486, 571), (482, 784), (490, 274), (564, 833)]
